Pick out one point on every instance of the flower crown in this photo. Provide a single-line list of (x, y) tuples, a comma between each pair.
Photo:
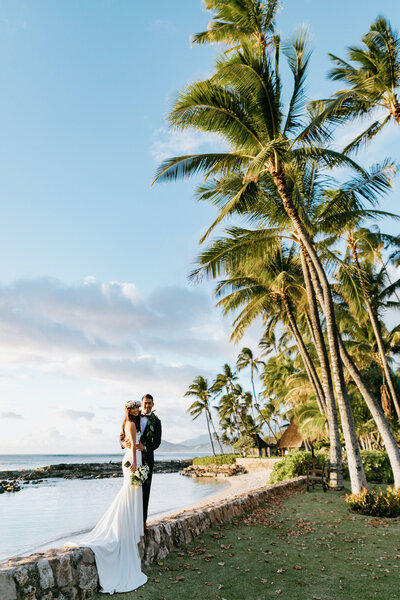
[(133, 404)]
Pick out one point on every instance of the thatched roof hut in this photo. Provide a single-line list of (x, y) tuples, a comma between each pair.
[(291, 438)]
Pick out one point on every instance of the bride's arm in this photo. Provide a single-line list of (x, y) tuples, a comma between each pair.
[(132, 438)]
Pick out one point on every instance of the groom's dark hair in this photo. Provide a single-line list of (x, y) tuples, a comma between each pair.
[(148, 396)]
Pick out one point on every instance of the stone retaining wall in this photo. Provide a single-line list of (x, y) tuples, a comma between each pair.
[(257, 464), (71, 574)]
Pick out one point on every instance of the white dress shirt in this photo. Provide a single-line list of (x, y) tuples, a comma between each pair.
[(144, 419)]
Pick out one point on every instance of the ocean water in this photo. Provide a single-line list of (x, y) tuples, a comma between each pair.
[(42, 515), (11, 462)]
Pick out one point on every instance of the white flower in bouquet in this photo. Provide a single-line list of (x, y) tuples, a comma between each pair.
[(140, 475)]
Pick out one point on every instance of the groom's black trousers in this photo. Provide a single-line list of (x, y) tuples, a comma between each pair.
[(146, 495)]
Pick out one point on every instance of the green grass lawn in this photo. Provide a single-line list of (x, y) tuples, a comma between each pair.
[(305, 546)]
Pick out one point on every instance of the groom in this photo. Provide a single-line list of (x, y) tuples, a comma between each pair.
[(150, 439)]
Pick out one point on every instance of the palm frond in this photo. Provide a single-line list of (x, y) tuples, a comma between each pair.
[(180, 167), (298, 56)]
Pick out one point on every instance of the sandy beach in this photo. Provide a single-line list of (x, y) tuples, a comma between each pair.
[(238, 484)]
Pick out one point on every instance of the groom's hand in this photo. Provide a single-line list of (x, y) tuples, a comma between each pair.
[(127, 444), (140, 447)]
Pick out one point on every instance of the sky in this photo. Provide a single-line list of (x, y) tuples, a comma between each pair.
[(95, 303)]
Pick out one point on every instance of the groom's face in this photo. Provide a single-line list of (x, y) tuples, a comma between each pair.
[(147, 406)]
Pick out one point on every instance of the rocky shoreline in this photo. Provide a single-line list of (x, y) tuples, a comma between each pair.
[(213, 470), (11, 481)]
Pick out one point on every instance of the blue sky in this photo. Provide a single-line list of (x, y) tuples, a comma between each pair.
[(94, 301)]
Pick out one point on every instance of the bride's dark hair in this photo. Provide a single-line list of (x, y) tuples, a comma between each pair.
[(128, 417)]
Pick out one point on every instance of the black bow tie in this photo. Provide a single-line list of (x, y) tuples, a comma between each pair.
[(147, 416)]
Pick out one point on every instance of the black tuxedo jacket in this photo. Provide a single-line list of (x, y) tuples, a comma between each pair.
[(151, 439)]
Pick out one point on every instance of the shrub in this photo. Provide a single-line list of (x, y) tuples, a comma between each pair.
[(375, 503), (244, 444), (219, 459), (377, 466), (294, 464)]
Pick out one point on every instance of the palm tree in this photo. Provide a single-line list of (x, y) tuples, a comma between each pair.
[(238, 20), (225, 380), (365, 277), (242, 102), (246, 359), (229, 415), (278, 371), (228, 407), (338, 214), (200, 390), (372, 244), (265, 280), (372, 76)]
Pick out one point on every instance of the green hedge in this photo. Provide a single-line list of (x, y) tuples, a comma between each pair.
[(376, 465), (219, 459), (296, 463)]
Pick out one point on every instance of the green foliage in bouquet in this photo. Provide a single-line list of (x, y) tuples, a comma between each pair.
[(294, 464), (375, 503), (219, 459)]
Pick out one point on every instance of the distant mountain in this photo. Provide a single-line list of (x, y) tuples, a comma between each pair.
[(170, 447), (204, 438), (199, 444)]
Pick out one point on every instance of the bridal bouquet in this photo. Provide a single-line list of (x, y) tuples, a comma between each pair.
[(140, 475)]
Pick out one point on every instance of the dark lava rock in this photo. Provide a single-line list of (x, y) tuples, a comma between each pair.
[(83, 471)]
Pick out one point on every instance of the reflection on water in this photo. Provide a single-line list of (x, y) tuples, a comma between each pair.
[(40, 514)]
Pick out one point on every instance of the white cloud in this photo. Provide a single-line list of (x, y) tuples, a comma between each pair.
[(74, 415), (168, 143), (73, 354), (46, 323)]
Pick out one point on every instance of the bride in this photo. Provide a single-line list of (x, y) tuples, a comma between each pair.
[(115, 538)]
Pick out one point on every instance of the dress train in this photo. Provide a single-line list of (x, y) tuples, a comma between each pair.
[(115, 538)]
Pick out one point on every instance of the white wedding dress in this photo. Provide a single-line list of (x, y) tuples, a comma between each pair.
[(115, 538)]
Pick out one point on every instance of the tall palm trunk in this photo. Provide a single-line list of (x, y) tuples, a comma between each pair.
[(272, 432), (253, 404), (209, 432), (375, 327), (377, 413), (356, 469), (385, 399), (236, 415), (308, 364), (336, 458), (373, 406), (258, 409), (216, 434)]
